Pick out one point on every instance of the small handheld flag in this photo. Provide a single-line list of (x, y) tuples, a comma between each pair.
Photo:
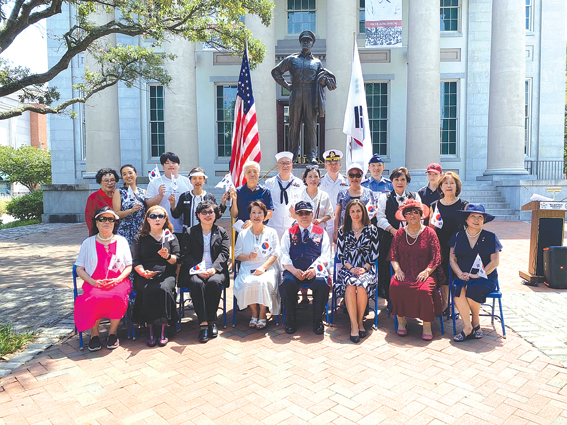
[(436, 219), (226, 183), (320, 268), (174, 183), (116, 265), (478, 267), (198, 268), (371, 211), (154, 174)]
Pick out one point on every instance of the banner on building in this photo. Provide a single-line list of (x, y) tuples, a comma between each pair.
[(383, 23)]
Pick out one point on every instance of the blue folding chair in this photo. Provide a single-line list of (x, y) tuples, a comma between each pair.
[(127, 316), (334, 296), (495, 295), (396, 317), (180, 293)]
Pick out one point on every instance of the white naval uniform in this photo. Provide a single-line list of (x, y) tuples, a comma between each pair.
[(333, 188), (281, 219)]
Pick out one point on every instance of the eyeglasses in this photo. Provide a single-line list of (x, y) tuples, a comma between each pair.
[(108, 181), (285, 164), (107, 219), (154, 216), (355, 176), (207, 212), (304, 213), (414, 211)]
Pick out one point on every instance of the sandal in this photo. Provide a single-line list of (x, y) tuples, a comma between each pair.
[(463, 337), (261, 323), (253, 322), (477, 332)]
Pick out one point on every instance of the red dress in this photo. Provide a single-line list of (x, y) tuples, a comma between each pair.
[(95, 201), (99, 303), (409, 298)]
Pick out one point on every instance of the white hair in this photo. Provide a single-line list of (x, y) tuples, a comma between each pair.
[(251, 164)]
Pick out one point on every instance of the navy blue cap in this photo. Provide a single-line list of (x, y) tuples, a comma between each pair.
[(375, 159), (303, 206)]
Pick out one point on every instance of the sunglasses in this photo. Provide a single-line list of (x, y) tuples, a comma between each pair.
[(106, 219), (417, 212), (312, 167), (355, 176), (304, 213), (207, 212), (154, 216)]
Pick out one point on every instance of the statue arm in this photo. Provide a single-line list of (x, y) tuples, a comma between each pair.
[(278, 72)]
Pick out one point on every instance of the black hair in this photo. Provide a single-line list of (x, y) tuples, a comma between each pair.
[(307, 170), (128, 165), (104, 209), (205, 205), (103, 172), (399, 172), (169, 155)]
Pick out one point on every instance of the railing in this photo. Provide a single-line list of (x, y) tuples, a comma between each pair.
[(546, 170)]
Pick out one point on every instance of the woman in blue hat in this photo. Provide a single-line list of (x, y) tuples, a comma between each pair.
[(474, 256)]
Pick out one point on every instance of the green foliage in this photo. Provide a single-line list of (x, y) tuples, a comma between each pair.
[(11, 341), (26, 165), (26, 207), (18, 223), (3, 203), (157, 22)]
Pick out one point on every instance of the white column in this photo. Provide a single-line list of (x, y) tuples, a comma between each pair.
[(423, 113), (102, 116), (180, 110), (342, 23), (265, 89), (505, 150)]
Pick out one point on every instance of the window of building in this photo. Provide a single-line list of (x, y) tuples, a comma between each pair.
[(449, 117), (157, 123), (529, 15), (226, 99), (450, 15), (377, 103), (528, 116), (361, 17), (300, 16)]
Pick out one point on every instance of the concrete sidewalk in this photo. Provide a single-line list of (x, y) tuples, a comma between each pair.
[(248, 376)]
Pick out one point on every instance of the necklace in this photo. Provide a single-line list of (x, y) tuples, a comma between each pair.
[(104, 239), (472, 236), (357, 232), (415, 237)]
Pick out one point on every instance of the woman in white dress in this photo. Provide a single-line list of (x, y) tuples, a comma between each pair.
[(257, 249)]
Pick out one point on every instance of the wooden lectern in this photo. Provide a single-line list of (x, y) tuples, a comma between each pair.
[(548, 220)]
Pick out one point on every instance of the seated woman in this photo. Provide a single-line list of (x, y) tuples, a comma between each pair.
[(471, 288), (155, 254), (209, 244), (257, 249), (104, 263), (415, 254), (357, 250)]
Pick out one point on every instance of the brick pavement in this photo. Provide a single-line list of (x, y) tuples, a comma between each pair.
[(250, 377)]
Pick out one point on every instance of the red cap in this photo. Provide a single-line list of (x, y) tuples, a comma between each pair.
[(434, 168)]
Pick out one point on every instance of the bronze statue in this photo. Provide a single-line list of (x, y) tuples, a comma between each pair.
[(307, 99)]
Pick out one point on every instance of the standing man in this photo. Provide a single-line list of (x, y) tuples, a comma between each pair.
[(307, 98), (285, 189), (304, 248), (376, 182), (333, 182), (168, 188)]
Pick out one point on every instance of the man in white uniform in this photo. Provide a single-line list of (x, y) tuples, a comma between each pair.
[(169, 186), (333, 182), (286, 190)]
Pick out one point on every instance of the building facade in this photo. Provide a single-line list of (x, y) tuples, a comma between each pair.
[(477, 86)]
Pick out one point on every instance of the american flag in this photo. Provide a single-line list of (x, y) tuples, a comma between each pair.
[(245, 139)]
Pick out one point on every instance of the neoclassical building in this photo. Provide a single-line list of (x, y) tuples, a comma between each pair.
[(477, 85)]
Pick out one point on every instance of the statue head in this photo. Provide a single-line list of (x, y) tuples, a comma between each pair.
[(307, 34)]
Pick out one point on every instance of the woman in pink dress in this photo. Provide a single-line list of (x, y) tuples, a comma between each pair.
[(415, 254), (104, 263)]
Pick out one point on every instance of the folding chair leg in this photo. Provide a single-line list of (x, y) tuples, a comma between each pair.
[(502, 318), (493, 304), (234, 308), (442, 325), (181, 311), (224, 307), (81, 347)]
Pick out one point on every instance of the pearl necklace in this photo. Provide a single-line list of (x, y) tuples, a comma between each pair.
[(472, 236), (104, 239), (414, 237)]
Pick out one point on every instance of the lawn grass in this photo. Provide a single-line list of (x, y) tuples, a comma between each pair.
[(19, 223), (11, 341)]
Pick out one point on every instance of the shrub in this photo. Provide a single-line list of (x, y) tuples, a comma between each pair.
[(10, 340), (26, 207)]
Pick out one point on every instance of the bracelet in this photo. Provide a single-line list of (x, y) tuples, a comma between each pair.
[(168, 257)]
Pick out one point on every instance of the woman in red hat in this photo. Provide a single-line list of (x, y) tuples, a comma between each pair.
[(415, 254)]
